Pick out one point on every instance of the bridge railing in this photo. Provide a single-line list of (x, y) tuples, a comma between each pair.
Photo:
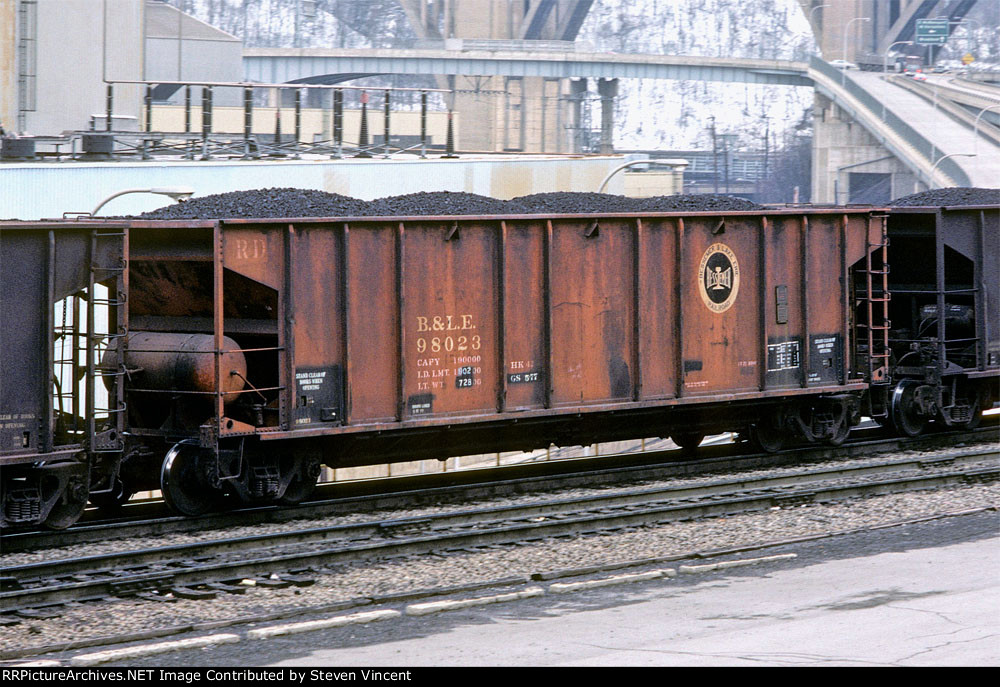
[(901, 128), (494, 45)]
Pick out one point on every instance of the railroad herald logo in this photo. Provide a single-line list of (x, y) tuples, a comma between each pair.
[(719, 277)]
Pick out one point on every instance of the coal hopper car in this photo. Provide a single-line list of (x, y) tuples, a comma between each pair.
[(241, 355), (944, 283)]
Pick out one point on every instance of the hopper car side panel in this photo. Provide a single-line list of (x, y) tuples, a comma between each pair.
[(422, 322)]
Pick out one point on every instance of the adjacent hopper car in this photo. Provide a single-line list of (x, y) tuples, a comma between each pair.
[(230, 359)]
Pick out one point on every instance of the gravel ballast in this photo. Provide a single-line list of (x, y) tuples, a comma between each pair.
[(410, 574), (120, 544)]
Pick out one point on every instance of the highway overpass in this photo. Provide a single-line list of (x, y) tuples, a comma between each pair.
[(910, 141), (300, 65), (904, 141)]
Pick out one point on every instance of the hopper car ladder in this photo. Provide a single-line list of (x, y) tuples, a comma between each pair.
[(80, 334), (872, 345)]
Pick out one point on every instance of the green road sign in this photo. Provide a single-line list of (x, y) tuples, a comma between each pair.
[(932, 31)]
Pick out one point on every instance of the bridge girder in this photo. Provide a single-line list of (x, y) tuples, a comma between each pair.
[(274, 65)]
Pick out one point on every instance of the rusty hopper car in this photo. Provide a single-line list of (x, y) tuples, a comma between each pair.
[(257, 350), (943, 260), (61, 434)]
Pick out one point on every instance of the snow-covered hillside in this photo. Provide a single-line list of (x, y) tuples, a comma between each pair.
[(650, 114), (677, 115)]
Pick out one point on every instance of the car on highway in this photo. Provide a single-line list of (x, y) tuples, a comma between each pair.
[(940, 69), (843, 64), (920, 76)]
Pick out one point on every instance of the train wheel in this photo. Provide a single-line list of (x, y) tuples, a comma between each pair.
[(183, 483), (687, 440), (298, 491), (302, 485), (71, 503), (767, 436), (905, 412)]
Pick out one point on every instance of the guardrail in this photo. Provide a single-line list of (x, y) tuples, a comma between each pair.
[(991, 77), (941, 101), (924, 148), (495, 45)]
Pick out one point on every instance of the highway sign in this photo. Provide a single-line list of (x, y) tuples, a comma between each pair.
[(932, 31), (968, 58)]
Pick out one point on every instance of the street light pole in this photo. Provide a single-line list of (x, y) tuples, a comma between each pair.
[(975, 127), (179, 193), (945, 157), (715, 157), (817, 7), (666, 163), (847, 32), (885, 57)]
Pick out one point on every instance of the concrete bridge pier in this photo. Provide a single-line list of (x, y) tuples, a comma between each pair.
[(608, 89), (577, 96), (850, 165)]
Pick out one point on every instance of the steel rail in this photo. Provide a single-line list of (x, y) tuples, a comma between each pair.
[(412, 490), (129, 572)]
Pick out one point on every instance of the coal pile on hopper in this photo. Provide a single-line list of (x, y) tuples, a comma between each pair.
[(697, 202), (567, 202), (441, 203), (943, 197), (570, 202), (270, 203), (263, 203)]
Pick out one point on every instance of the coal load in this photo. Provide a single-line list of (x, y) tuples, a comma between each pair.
[(697, 202), (441, 203), (263, 203), (566, 202), (944, 197), (271, 203)]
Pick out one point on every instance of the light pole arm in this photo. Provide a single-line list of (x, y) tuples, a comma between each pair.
[(945, 157), (847, 32), (176, 192), (662, 163), (885, 57), (817, 7), (975, 128)]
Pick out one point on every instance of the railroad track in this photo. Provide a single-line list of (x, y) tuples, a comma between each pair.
[(224, 565), (151, 518)]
